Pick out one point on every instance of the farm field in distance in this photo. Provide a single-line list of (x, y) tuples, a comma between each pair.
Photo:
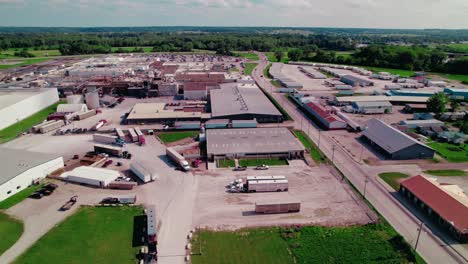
[(109, 239), (10, 231), (372, 243)]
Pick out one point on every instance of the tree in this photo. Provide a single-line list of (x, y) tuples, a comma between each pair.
[(279, 55), (454, 104), (436, 104), (295, 54)]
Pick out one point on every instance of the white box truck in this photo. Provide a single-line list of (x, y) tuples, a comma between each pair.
[(179, 159), (142, 172), (106, 139)]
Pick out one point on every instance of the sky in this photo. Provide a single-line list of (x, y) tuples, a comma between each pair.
[(288, 13)]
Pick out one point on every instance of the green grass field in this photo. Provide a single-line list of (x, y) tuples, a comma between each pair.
[(9, 53), (249, 246), (260, 161), (169, 137), (271, 57), (455, 77), (130, 49), (13, 131), (315, 153), (23, 63), (393, 178), (450, 152), (226, 163), (19, 197), (249, 67), (373, 243), (92, 235), (458, 47), (10, 231), (247, 55), (447, 172)]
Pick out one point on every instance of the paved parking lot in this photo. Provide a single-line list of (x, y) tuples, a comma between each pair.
[(325, 200)]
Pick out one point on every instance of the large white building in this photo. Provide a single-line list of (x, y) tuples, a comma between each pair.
[(20, 168), (18, 104), (93, 176)]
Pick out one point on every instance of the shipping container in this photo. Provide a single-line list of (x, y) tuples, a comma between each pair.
[(51, 126), (111, 150), (102, 138), (122, 185), (277, 206), (151, 224), (133, 135), (142, 172), (86, 114)]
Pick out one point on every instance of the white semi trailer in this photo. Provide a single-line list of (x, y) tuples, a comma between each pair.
[(142, 172), (106, 139), (266, 186), (179, 159)]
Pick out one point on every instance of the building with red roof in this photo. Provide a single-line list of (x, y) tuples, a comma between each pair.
[(448, 208), (326, 118)]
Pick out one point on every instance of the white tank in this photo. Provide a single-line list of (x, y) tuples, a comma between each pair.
[(92, 100), (75, 99)]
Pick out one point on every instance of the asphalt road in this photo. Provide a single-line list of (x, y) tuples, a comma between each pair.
[(431, 248)]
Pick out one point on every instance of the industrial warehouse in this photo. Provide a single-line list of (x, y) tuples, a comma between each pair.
[(394, 143), (252, 142)]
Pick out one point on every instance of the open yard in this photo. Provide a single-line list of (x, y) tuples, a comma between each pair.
[(447, 172), (13, 131), (22, 63), (92, 235), (269, 162), (169, 137), (393, 178), (10, 231), (249, 67), (451, 152), (19, 197), (372, 243), (315, 153)]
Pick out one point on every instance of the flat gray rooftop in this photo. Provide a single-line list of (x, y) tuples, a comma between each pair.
[(251, 140), (232, 99), (14, 162), (10, 97)]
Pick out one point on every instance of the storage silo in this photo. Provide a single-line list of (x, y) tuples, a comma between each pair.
[(75, 99), (92, 100)]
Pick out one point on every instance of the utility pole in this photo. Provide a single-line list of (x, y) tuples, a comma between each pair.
[(365, 185), (319, 139), (419, 234), (333, 153)]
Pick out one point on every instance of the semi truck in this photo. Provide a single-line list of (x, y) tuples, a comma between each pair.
[(120, 133), (107, 149), (277, 206), (266, 186), (142, 172), (177, 158), (106, 139), (131, 199)]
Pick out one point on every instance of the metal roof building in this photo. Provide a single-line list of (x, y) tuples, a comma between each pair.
[(156, 112), (242, 102), (448, 208), (20, 168), (394, 143), (252, 142), (324, 116)]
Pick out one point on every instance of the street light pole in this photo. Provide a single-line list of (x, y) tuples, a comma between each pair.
[(319, 139), (365, 185), (419, 234)]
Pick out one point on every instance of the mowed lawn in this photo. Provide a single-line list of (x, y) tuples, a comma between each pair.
[(260, 161), (451, 152), (315, 153), (393, 178), (19, 197), (249, 246), (23, 63), (447, 172), (271, 57), (169, 137), (226, 163), (247, 55), (10, 231), (13, 131), (373, 243), (92, 235), (249, 67)]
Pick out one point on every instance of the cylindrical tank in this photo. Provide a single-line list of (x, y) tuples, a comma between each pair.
[(75, 99), (92, 100)]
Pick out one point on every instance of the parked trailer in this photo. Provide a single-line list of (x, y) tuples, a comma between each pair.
[(257, 178), (140, 135), (179, 159), (151, 224), (133, 134), (277, 206), (120, 133), (111, 150), (266, 186), (142, 172), (102, 138), (84, 115), (36, 127), (98, 125), (122, 185), (51, 126)]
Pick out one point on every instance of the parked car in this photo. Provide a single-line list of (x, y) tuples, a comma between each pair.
[(50, 186), (262, 167), (36, 195), (240, 168)]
